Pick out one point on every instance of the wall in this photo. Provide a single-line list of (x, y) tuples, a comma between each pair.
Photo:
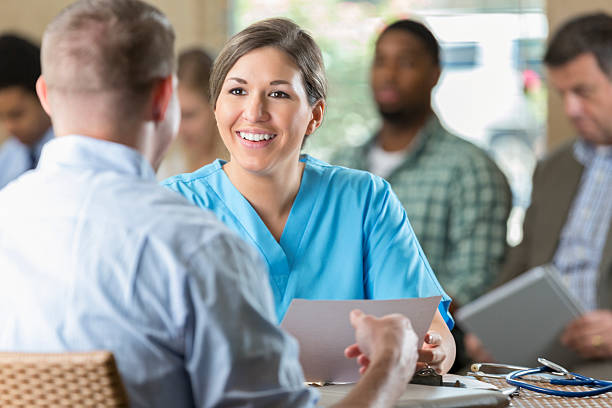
[(558, 11), (202, 22), (197, 22)]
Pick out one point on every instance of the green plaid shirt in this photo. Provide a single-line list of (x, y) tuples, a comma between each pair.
[(458, 203)]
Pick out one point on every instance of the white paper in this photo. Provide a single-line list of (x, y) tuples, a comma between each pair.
[(468, 381), (323, 330)]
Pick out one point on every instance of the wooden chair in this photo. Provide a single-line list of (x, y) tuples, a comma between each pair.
[(88, 379)]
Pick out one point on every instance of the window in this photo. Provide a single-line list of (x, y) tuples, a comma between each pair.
[(490, 91)]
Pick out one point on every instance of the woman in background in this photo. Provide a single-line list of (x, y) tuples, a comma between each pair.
[(198, 142), (326, 232)]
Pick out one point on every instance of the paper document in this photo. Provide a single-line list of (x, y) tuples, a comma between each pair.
[(323, 329)]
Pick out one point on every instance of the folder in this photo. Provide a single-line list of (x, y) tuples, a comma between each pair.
[(524, 319), (425, 396)]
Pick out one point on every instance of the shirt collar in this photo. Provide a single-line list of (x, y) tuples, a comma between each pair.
[(429, 130), (585, 152), (84, 152), (37, 147), (605, 151)]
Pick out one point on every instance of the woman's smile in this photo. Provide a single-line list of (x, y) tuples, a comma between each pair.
[(255, 139), (263, 112)]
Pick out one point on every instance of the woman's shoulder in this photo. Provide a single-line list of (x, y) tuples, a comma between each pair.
[(197, 177), (343, 180)]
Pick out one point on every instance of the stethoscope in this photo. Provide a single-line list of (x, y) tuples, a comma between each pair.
[(549, 371)]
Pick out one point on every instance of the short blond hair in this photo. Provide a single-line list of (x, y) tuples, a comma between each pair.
[(122, 46)]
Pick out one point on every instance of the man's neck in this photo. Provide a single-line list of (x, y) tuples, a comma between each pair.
[(396, 136)]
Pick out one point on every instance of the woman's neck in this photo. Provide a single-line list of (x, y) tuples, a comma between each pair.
[(196, 158), (272, 195)]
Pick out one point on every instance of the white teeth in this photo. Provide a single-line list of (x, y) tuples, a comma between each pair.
[(256, 137)]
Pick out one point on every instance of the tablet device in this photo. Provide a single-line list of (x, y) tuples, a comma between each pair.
[(523, 319)]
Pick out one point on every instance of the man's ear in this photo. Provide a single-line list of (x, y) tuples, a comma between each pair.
[(41, 91), (317, 116), (435, 76), (161, 95)]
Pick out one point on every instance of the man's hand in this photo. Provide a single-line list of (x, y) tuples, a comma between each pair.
[(386, 350), (476, 350), (590, 335), (389, 339)]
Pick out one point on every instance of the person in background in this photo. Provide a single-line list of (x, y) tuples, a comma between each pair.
[(568, 221), (94, 254), (456, 198), (325, 232), (198, 142), (21, 115)]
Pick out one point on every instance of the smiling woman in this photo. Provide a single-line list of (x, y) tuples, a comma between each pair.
[(325, 232)]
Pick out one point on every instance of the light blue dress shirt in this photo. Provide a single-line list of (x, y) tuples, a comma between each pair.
[(95, 255), (581, 245), (347, 236), (16, 158)]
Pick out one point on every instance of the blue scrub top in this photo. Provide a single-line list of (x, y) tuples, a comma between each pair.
[(347, 236)]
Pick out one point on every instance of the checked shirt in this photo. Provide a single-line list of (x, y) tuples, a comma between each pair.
[(457, 201)]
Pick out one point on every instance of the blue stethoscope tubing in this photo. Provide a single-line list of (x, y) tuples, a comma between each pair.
[(602, 386)]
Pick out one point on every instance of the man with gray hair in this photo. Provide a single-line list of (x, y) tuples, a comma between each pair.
[(95, 255), (569, 221)]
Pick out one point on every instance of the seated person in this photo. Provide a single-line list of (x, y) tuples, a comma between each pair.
[(568, 223), (326, 232), (198, 141), (456, 198), (94, 254), (21, 115)]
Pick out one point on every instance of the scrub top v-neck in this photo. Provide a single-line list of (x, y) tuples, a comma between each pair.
[(346, 237)]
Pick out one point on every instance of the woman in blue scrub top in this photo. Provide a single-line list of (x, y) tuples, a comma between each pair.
[(326, 232)]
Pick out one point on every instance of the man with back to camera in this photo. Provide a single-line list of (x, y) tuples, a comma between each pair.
[(95, 255), (568, 222), (26, 122), (456, 198)]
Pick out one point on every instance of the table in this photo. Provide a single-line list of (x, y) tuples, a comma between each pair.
[(530, 399)]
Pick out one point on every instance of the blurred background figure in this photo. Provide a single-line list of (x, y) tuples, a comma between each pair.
[(455, 196), (198, 142), (21, 116), (569, 221)]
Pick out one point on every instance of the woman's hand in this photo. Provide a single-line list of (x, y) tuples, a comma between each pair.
[(438, 349), (431, 354)]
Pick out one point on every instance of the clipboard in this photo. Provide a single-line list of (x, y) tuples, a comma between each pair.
[(524, 319), (425, 396)]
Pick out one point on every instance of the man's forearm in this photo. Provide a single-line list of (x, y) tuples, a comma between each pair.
[(381, 385)]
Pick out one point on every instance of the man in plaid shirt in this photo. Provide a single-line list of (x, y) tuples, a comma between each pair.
[(456, 198)]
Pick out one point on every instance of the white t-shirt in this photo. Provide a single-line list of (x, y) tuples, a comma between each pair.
[(383, 163)]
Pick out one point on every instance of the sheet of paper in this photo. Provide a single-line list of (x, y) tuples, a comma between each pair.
[(323, 330)]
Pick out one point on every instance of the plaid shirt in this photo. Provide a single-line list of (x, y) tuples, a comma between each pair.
[(458, 203), (584, 234)]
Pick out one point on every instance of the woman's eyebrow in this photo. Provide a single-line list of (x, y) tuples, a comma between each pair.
[(239, 80), (275, 82)]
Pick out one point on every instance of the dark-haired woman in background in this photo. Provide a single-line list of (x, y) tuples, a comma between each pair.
[(198, 142)]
